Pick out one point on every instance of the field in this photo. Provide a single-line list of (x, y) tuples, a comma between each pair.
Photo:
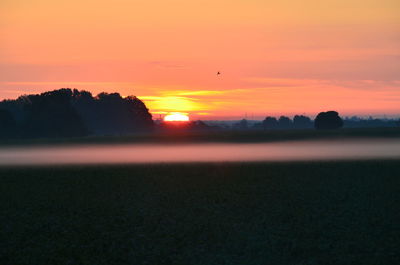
[(220, 136), (214, 213)]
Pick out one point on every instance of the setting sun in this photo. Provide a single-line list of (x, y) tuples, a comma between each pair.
[(176, 117)]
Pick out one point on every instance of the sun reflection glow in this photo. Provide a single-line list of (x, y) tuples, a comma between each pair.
[(176, 116)]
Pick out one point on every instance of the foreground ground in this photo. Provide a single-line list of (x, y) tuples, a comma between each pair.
[(264, 213)]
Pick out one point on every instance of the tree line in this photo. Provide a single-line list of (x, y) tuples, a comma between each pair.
[(324, 120), (71, 113), (328, 120)]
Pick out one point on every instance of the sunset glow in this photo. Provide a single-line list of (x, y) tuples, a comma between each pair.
[(176, 117), (275, 57)]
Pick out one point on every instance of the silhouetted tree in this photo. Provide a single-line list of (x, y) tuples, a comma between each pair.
[(302, 122), (140, 113), (270, 123), (112, 114), (66, 113), (51, 114), (328, 120), (285, 122)]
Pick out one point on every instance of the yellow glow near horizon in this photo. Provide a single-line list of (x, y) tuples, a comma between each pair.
[(174, 103), (176, 116)]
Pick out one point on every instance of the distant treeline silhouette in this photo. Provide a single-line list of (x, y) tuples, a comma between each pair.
[(323, 121), (357, 122), (281, 123), (185, 126), (69, 113)]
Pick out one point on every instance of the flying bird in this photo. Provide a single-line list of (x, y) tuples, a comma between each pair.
[(218, 73)]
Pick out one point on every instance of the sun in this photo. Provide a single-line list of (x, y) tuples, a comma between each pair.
[(176, 116)]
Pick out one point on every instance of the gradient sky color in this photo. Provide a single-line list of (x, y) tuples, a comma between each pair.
[(276, 57)]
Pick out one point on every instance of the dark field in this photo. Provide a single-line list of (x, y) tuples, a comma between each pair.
[(218, 136), (263, 213)]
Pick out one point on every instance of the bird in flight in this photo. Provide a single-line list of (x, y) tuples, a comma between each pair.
[(218, 73)]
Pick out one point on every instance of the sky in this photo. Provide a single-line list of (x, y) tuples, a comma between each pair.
[(275, 57)]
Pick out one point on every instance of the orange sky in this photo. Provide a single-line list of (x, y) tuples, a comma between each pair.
[(276, 57)]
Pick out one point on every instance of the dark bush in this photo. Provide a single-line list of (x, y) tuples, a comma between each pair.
[(302, 122), (328, 120), (285, 122), (270, 123)]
